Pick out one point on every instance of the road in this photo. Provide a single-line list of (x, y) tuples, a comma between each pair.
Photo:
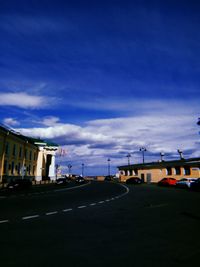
[(101, 224)]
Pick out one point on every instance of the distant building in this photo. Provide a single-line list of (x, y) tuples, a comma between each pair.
[(25, 157), (155, 171)]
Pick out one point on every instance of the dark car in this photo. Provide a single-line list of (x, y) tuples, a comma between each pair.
[(167, 182), (18, 184), (195, 185), (61, 181), (134, 180), (107, 178), (79, 180)]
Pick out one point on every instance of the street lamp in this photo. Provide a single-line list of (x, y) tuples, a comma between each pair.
[(69, 168), (82, 169), (128, 156), (143, 149), (180, 153), (161, 156), (57, 166), (108, 166)]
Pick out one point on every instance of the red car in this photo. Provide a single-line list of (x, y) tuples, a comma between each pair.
[(167, 182)]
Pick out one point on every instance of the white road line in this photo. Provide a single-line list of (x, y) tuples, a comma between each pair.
[(2, 197), (30, 217), (51, 213), (66, 210), (4, 221), (70, 188), (92, 204), (100, 202), (82, 207), (107, 200)]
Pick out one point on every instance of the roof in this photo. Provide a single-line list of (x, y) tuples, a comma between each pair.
[(163, 164), (34, 141)]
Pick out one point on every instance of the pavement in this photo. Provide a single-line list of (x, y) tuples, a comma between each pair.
[(102, 224)]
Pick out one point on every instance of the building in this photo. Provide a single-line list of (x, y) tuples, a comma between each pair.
[(155, 171), (25, 157)]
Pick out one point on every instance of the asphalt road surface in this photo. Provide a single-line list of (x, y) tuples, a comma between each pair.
[(100, 224)]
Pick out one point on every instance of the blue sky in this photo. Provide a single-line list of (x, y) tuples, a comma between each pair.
[(102, 78)]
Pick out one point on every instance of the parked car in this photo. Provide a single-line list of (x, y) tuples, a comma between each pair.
[(195, 185), (79, 180), (108, 178), (134, 180), (167, 182), (61, 181), (18, 184), (185, 182)]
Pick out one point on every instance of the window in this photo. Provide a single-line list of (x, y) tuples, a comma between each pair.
[(187, 170), (136, 171), (20, 152), (177, 170), (5, 166), (12, 167), (14, 150), (33, 170), (7, 148), (19, 168), (169, 171)]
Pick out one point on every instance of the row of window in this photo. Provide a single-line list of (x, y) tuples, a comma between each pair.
[(17, 169), (177, 171), (18, 151), (169, 171)]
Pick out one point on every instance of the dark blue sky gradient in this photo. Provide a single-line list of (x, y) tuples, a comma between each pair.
[(87, 57)]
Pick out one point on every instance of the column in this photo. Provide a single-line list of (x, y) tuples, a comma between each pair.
[(52, 174)]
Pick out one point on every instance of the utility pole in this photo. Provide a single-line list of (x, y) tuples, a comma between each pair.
[(128, 156), (83, 165), (143, 149), (108, 166)]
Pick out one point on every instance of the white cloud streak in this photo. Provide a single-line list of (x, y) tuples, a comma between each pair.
[(23, 100), (11, 122)]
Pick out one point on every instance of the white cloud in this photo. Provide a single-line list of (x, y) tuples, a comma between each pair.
[(99, 139), (11, 122), (23, 100), (50, 121)]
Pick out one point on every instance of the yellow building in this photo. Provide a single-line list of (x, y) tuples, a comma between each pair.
[(155, 171), (25, 157)]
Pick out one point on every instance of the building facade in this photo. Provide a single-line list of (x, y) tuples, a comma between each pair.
[(155, 171), (25, 157)]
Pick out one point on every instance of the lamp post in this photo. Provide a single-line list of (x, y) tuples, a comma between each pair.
[(143, 149), (108, 166), (161, 156), (128, 156), (57, 166), (83, 165), (180, 153), (69, 168)]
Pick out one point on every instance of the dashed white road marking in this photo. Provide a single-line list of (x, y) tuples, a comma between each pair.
[(30, 217), (4, 221), (66, 210), (70, 209), (51, 213)]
